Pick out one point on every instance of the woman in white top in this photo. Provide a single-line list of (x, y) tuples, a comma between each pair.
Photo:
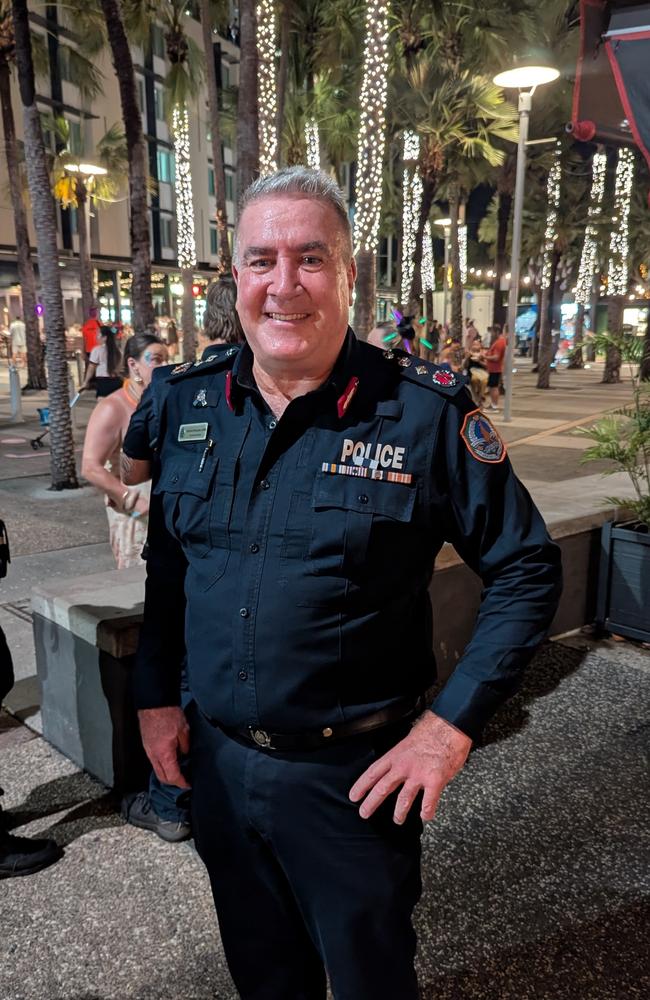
[(100, 464), (104, 364)]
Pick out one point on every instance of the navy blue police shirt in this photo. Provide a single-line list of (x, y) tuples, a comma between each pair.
[(291, 558)]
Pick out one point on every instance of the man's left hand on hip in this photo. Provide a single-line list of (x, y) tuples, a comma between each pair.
[(424, 761)]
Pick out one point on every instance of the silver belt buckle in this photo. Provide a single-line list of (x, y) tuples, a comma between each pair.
[(261, 738)]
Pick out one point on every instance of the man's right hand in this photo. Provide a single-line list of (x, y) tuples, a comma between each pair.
[(165, 733)]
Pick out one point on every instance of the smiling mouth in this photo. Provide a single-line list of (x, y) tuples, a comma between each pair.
[(287, 316)]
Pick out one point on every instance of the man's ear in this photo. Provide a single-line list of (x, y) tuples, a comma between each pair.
[(352, 277)]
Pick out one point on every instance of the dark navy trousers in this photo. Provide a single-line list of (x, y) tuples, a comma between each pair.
[(304, 888)]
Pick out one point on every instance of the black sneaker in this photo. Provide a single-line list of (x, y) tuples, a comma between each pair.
[(24, 856), (138, 811)]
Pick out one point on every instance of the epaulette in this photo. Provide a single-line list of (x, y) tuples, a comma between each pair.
[(426, 373), (220, 358)]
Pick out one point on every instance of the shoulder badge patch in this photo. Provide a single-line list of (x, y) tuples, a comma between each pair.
[(481, 438)]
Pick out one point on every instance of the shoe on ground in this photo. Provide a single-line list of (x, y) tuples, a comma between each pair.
[(138, 811), (494, 408), (24, 856)]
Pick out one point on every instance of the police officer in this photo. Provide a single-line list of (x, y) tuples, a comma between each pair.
[(307, 482)]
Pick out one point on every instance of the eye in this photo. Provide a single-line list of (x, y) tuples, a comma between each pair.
[(310, 261), (260, 264)]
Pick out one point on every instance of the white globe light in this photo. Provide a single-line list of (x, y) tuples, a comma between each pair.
[(526, 76)]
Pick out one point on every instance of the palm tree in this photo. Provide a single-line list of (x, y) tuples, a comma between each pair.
[(63, 471), (35, 362), (370, 162), (589, 257), (76, 189), (267, 91), (143, 311), (209, 20), (248, 146), (618, 266)]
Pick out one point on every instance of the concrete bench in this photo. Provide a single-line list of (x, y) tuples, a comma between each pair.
[(86, 634)]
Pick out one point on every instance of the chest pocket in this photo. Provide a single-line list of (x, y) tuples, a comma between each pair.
[(348, 513), (188, 496)]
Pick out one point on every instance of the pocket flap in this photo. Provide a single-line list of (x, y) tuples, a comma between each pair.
[(372, 496), (184, 477)]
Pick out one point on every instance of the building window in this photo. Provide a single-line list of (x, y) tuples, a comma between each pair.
[(158, 41), (160, 103), (141, 96), (166, 233), (214, 246), (74, 220), (211, 189), (65, 70), (230, 187), (225, 76), (75, 140), (165, 166)]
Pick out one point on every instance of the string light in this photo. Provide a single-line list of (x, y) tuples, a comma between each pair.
[(185, 239), (462, 251), (589, 258), (266, 92), (553, 201), (411, 200), (619, 245), (428, 272), (312, 142), (372, 127)]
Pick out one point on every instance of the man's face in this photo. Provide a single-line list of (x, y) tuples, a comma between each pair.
[(294, 283)]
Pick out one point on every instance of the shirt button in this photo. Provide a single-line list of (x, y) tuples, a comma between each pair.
[(265, 484), (174, 479), (244, 612), (272, 425), (243, 676), (254, 548), (363, 498)]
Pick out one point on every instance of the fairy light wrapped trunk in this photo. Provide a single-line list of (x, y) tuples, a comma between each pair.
[(267, 89), (550, 260), (370, 160), (618, 267), (185, 235), (589, 262)]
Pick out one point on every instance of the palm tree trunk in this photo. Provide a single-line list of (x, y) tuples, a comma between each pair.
[(546, 328), (85, 267), (499, 310), (428, 191), (225, 259), (248, 145), (35, 363), (364, 305), (143, 312), (62, 461), (576, 360), (456, 325), (283, 71), (187, 316), (612, 372)]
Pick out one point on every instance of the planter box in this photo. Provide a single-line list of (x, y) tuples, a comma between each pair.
[(624, 580)]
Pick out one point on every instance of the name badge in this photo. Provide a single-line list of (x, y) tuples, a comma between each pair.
[(193, 432)]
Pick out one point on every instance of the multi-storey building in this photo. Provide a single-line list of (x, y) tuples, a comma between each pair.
[(109, 223)]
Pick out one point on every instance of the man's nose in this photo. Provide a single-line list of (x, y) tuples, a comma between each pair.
[(286, 279)]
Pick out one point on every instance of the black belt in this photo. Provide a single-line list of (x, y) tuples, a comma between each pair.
[(400, 711)]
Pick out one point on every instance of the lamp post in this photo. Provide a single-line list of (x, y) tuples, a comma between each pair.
[(445, 224), (519, 78)]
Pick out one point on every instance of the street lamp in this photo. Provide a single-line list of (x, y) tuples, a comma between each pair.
[(520, 77), (445, 223)]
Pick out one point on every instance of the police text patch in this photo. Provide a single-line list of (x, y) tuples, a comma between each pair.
[(481, 438)]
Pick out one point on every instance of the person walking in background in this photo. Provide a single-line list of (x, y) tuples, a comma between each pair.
[(171, 339), (494, 359), (471, 333), (91, 331), (220, 320), (103, 371), (18, 340)]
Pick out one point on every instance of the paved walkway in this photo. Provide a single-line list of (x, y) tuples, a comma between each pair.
[(124, 915)]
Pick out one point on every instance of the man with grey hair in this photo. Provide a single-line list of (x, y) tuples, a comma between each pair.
[(307, 482)]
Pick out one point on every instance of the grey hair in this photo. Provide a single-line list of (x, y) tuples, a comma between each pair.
[(302, 181)]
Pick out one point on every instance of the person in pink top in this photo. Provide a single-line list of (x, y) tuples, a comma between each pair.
[(495, 359)]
